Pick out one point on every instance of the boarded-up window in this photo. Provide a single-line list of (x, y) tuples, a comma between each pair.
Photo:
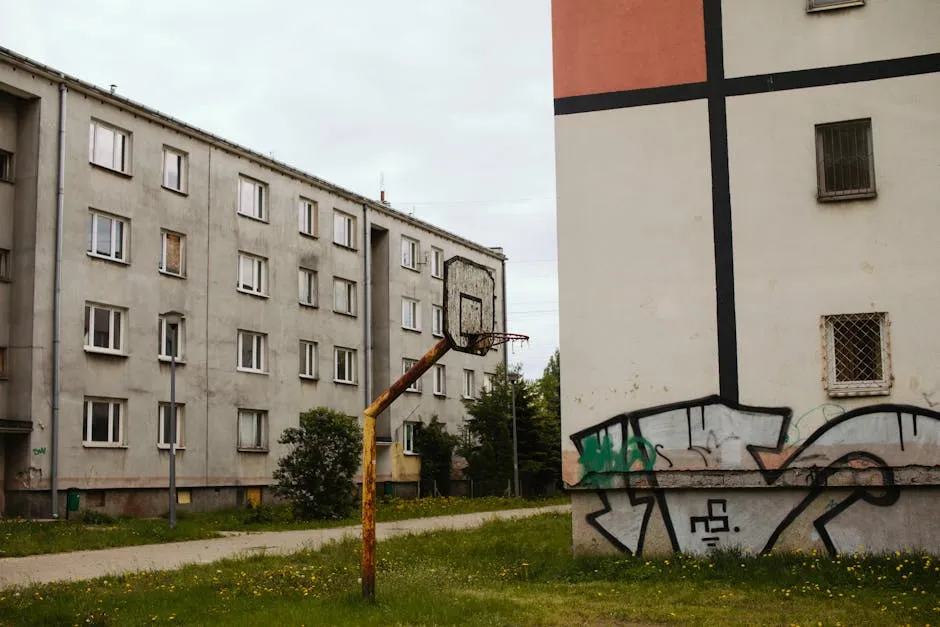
[(173, 251)]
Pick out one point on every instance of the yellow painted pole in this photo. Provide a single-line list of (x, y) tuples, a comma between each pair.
[(379, 405)]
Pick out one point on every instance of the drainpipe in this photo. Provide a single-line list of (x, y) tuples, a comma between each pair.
[(505, 328), (367, 306), (56, 304)]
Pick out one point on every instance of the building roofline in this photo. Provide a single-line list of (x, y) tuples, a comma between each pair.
[(153, 115)]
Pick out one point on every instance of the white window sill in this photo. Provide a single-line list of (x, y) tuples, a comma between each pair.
[(93, 255), (250, 293), (166, 447), (412, 329), (96, 350), (308, 305), (167, 359), (309, 377), (117, 445), (437, 334), (859, 391), (469, 398), (440, 394), (171, 274), (175, 191), (242, 449), (411, 391), (342, 382), (346, 246), (108, 168), (412, 268), (344, 313), (251, 370), (411, 454), (438, 276), (251, 217), (310, 235)]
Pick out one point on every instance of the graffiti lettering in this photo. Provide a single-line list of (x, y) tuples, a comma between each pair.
[(39, 451)]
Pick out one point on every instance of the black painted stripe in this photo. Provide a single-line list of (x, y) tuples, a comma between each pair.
[(756, 84), (721, 204)]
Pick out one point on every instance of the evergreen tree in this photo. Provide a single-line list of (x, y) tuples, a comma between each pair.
[(436, 447)]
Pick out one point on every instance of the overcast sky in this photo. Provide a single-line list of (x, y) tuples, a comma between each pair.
[(450, 99)]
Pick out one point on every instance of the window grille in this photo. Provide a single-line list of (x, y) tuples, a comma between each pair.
[(845, 163), (857, 354)]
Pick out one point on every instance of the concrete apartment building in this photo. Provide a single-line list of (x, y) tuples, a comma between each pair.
[(747, 229), (295, 293)]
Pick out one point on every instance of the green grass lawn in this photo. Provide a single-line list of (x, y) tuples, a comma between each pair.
[(22, 537), (505, 573)]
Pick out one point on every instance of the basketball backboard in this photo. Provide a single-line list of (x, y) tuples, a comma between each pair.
[(469, 305)]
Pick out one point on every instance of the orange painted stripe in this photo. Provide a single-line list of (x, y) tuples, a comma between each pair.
[(617, 45)]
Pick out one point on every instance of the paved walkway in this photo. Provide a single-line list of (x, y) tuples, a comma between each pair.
[(16, 571)]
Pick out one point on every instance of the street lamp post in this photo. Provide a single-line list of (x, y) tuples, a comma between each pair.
[(172, 320), (513, 378)]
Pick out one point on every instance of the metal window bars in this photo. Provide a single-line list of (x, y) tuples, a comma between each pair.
[(845, 163), (857, 353)]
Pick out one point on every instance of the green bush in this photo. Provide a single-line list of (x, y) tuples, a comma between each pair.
[(436, 448), (316, 475), (91, 517)]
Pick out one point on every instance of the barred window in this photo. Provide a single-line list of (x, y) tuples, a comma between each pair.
[(844, 160), (857, 359)]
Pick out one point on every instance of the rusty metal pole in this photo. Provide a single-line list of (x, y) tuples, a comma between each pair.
[(379, 405)]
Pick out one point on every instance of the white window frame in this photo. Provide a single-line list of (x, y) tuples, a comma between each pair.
[(344, 296), (257, 191), (115, 239), (163, 340), (179, 160), (6, 272), (119, 159), (825, 5), (406, 365), (344, 229), (309, 356), (408, 430), (252, 274), (873, 387), (163, 411), (307, 286), (469, 383), (117, 328), (410, 314), (6, 166), (410, 249), (440, 380), (308, 217), (348, 376), (164, 266), (87, 423), (258, 363), (259, 430), (437, 263), (437, 321), (489, 381)]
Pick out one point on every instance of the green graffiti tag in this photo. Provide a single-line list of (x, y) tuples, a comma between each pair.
[(39, 451), (599, 460)]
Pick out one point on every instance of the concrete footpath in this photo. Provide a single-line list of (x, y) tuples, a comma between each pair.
[(21, 571)]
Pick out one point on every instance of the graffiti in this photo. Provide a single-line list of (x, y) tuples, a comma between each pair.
[(39, 451), (841, 476)]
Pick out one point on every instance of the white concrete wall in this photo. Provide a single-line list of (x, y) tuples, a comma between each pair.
[(636, 262), (780, 36)]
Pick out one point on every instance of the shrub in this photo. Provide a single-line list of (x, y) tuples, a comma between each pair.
[(316, 475), (436, 448), (91, 517)]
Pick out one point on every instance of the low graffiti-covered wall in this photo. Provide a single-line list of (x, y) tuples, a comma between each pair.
[(705, 474)]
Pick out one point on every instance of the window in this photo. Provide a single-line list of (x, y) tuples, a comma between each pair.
[(109, 147), (344, 229), (344, 361), (308, 287), (437, 263), (857, 358), (172, 253), (252, 351), (309, 216), (252, 430), (6, 166), (437, 320), (174, 169), (107, 236), (171, 340), (469, 384), (164, 437), (6, 273), (489, 381), (252, 198), (102, 422), (252, 274), (439, 380), (409, 253), (410, 314), (408, 438), (845, 164), (344, 296), (819, 5), (308, 359), (406, 365), (3, 363), (104, 329)]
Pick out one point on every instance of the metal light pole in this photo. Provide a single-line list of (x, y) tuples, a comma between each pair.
[(513, 378), (172, 320)]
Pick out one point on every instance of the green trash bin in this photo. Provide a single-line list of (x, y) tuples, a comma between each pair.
[(73, 500), (388, 488)]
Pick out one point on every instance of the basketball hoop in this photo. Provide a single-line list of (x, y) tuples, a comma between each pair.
[(480, 343)]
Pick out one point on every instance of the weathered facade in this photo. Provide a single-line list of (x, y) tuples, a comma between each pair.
[(758, 364), (295, 293)]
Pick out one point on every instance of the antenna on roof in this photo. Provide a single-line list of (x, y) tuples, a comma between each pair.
[(113, 88), (382, 189)]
